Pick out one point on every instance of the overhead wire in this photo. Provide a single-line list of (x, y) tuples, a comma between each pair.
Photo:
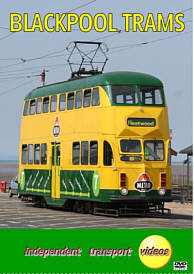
[(6, 36), (14, 88), (112, 48), (21, 75), (103, 37), (82, 6), (31, 68), (147, 42), (55, 54), (32, 59)]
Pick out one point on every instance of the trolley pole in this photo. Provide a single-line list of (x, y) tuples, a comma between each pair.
[(43, 76)]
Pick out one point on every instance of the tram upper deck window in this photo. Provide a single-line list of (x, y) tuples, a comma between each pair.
[(38, 105), (26, 108), (95, 97), (70, 100), (87, 97), (62, 100), (78, 99), (32, 106), (53, 106), (151, 96), (130, 146), (124, 95), (154, 150), (45, 104)]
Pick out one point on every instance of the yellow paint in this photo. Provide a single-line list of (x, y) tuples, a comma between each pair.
[(55, 181)]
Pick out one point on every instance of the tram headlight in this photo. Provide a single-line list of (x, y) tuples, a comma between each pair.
[(124, 191), (161, 191)]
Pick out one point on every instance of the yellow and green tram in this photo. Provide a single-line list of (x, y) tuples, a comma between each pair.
[(97, 144)]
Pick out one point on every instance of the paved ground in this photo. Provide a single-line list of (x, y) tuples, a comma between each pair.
[(17, 214)]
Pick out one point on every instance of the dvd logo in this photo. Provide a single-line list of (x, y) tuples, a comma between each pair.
[(180, 265)]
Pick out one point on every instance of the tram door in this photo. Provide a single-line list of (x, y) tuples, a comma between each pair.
[(55, 182)]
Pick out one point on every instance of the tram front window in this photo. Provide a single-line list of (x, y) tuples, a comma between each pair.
[(151, 96), (124, 95), (130, 146), (154, 150)]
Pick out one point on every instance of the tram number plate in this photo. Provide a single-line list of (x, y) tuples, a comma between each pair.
[(144, 186)]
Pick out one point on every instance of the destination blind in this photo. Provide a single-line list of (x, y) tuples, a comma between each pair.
[(141, 122)]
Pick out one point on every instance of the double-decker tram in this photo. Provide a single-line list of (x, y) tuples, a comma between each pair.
[(97, 144)]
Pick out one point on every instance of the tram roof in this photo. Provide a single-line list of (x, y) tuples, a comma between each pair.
[(105, 79)]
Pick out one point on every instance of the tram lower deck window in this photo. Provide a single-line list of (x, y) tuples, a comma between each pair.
[(76, 153), (84, 153), (108, 154), (43, 154), (30, 154), (93, 153), (24, 154), (37, 154)]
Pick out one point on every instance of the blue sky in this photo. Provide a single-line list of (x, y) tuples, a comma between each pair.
[(170, 60)]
